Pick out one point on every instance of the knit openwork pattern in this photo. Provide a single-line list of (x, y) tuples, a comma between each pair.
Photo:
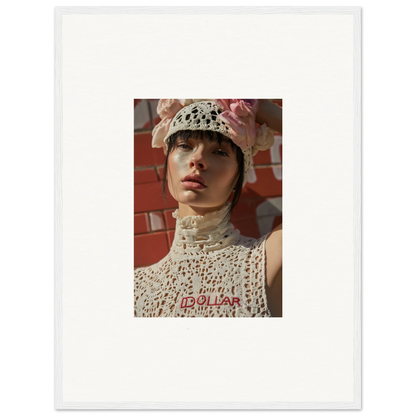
[(203, 115), (210, 271)]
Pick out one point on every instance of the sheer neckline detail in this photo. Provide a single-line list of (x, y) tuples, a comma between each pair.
[(203, 233)]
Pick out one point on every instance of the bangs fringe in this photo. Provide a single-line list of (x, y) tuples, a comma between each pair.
[(211, 136)]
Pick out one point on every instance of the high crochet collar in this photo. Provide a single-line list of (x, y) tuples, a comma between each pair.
[(203, 233)]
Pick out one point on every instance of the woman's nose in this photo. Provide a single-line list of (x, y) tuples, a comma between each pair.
[(198, 161)]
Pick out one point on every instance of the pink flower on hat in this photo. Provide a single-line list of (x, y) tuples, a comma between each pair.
[(240, 115), (167, 109)]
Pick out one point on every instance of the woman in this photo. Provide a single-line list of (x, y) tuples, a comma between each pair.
[(211, 270)]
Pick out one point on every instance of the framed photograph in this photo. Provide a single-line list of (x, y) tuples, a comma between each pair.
[(114, 68), (174, 275)]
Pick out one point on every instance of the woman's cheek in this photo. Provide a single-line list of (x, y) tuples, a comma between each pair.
[(177, 169), (180, 163), (225, 174)]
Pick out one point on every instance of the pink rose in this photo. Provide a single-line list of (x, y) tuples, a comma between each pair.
[(160, 131), (224, 104), (240, 115), (244, 108), (168, 107)]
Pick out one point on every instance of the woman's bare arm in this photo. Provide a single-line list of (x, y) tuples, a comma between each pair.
[(271, 114), (274, 271)]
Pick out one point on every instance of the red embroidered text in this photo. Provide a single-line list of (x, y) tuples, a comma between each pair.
[(190, 301)]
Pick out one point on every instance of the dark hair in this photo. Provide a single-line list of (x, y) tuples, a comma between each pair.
[(211, 136)]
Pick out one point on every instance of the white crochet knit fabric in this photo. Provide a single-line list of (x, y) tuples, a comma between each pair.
[(210, 271), (202, 115)]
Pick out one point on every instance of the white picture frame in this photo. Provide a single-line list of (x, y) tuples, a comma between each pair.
[(308, 56)]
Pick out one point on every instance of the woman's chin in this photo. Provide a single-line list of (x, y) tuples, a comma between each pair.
[(190, 210)]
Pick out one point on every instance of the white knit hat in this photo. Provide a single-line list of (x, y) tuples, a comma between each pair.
[(234, 119), (204, 115)]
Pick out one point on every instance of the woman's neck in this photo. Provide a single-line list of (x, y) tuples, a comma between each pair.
[(191, 211), (202, 233)]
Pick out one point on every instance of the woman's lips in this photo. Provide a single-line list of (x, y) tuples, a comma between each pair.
[(193, 181), (193, 185)]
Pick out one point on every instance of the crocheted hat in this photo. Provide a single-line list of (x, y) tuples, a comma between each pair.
[(233, 118)]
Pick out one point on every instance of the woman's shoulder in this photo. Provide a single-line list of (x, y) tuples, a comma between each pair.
[(274, 238), (273, 248), (270, 242), (274, 254), (274, 261), (141, 272), (253, 243)]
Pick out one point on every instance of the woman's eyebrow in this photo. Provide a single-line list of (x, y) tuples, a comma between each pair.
[(228, 144), (185, 138)]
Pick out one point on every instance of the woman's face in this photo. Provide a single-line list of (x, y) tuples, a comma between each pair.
[(201, 174)]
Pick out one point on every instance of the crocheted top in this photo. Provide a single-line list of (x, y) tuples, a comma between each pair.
[(210, 271)]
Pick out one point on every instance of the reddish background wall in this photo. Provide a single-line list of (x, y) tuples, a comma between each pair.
[(257, 212)]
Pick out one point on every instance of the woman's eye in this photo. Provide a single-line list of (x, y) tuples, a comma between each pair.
[(221, 152), (184, 146)]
